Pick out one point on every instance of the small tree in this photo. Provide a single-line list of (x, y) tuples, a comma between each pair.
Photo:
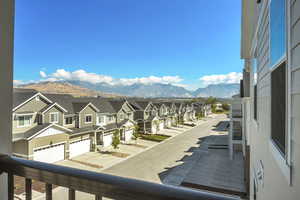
[(225, 106), (116, 139), (136, 132)]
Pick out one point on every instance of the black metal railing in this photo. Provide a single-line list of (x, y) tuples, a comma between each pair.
[(98, 184)]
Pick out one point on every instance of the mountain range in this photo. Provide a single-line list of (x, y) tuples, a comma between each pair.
[(80, 88)]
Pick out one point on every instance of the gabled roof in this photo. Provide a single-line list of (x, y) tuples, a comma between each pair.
[(51, 106), (64, 100), (101, 103), (143, 104), (37, 130), (20, 98), (79, 106)]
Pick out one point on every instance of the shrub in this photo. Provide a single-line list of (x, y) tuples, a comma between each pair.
[(116, 139)]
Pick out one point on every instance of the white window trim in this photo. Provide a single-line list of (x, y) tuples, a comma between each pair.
[(23, 126), (56, 113), (87, 116)]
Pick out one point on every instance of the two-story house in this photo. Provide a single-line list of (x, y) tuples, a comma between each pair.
[(146, 116), (124, 118)]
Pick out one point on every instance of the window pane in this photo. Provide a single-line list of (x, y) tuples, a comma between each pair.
[(277, 25), (278, 106), (21, 121)]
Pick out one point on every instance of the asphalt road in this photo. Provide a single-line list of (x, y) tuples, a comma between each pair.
[(155, 164)]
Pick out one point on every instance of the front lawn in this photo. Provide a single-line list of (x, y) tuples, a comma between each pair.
[(154, 137)]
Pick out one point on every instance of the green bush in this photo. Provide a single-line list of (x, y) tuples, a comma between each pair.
[(116, 139)]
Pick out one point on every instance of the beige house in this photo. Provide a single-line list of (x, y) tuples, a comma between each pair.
[(271, 115)]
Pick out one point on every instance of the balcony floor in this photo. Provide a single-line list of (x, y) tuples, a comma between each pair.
[(215, 171)]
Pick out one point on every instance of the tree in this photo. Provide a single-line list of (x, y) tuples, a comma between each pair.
[(225, 106), (136, 133), (211, 100), (116, 139)]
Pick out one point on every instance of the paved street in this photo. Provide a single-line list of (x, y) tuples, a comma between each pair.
[(154, 164)]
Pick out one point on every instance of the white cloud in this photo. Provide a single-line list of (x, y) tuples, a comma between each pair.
[(18, 82), (82, 75), (43, 74), (232, 77)]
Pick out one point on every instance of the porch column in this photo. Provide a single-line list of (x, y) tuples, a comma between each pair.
[(6, 83)]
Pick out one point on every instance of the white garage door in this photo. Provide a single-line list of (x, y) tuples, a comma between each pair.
[(153, 129), (107, 140), (79, 147), (169, 123), (161, 126), (50, 154), (128, 135)]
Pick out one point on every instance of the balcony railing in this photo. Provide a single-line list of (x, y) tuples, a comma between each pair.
[(98, 184)]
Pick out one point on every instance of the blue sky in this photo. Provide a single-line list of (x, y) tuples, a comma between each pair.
[(128, 41)]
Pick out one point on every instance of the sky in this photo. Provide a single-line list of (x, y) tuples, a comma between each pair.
[(190, 43)]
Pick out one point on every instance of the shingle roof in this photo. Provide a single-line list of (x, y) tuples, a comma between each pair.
[(20, 97), (102, 104), (116, 104), (64, 100), (78, 106), (143, 104), (84, 129)]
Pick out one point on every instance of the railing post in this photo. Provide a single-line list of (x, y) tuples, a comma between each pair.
[(48, 191), (98, 197), (28, 189), (71, 194), (11, 186)]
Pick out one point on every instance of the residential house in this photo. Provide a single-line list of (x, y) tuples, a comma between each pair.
[(270, 49), (146, 116), (124, 118)]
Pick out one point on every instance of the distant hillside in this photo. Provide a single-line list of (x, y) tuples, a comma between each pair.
[(80, 88), (65, 88), (138, 89), (218, 90)]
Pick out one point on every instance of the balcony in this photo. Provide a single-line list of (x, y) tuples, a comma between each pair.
[(98, 184)]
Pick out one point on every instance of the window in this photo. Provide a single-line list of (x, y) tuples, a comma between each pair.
[(278, 106), (68, 120), (277, 31), (88, 119), (101, 119), (24, 121), (53, 117), (37, 98), (255, 102)]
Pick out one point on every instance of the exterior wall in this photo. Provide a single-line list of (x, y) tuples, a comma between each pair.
[(279, 181), (20, 148), (31, 106), (87, 111), (54, 110), (47, 140)]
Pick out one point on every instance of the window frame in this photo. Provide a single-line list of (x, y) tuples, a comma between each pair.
[(66, 120), (283, 160), (53, 113), (85, 118), (24, 125)]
